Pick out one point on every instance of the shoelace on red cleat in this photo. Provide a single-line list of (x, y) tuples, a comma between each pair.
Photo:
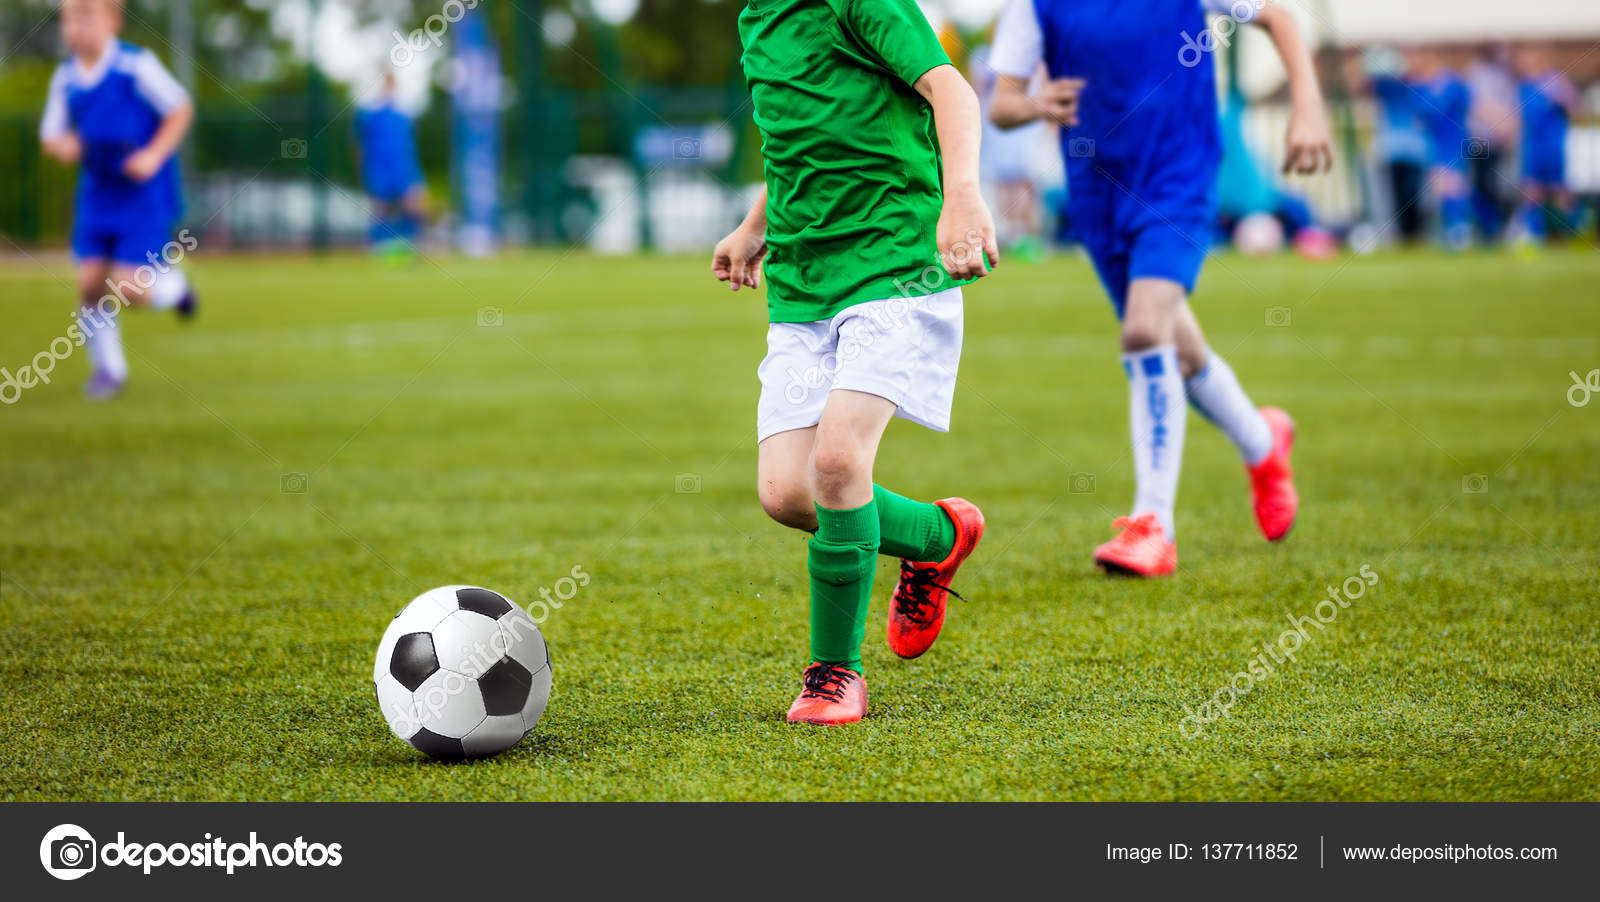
[(826, 681), (916, 583)]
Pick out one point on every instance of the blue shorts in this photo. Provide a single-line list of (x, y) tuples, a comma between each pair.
[(131, 246), (392, 188), (1158, 247), (1548, 167)]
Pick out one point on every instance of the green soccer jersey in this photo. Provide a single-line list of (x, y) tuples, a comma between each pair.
[(852, 158)]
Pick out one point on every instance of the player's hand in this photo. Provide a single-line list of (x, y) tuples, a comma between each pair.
[(65, 148), (1309, 148), (737, 258), (1058, 100), (142, 166), (966, 235)]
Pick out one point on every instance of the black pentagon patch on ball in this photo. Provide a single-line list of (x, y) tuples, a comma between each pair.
[(413, 660), (482, 601), (505, 687), (433, 745)]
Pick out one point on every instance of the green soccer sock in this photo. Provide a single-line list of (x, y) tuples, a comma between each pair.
[(913, 530), (841, 558)]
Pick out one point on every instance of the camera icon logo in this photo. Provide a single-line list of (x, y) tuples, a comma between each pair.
[(293, 149), (293, 483), (1081, 484), (686, 148), (1080, 147), (686, 483), (68, 852), (1474, 149), (1278, 316), (491, 316), (1475, 483)]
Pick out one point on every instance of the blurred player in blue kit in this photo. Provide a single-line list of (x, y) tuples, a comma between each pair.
[(1444, 104), (1548, 100), (1135, 93), (115, 112), (391, 172)]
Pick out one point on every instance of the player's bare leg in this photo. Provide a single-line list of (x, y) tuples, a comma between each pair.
[(783, 480)]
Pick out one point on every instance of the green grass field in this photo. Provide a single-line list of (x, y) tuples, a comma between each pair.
[(176, 625)]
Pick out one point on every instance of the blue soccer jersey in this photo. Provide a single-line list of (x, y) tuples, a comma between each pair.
[(115, 107), (1142, 161), (1444, 102), (1544, 103), (389, 165)]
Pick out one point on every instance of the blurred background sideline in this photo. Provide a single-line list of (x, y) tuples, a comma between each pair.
[(621, 126)]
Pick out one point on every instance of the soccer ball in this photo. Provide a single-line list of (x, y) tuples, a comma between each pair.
[(462, 673), (1258, 235)]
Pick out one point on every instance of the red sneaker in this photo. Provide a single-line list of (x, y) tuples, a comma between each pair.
[(832, 694), (916, 613), (1272, 491), (1141, 549)]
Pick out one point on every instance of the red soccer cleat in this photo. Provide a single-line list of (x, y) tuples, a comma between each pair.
[(1141, 549), (1272, 492), (916, 613), (832, 694)]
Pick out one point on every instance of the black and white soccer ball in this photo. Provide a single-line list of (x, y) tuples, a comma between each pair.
[(462, 673)]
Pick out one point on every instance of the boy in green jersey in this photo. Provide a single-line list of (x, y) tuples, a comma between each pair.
[(869, 223)]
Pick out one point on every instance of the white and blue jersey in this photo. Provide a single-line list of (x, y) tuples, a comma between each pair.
[(1142, 161), (1544, 103), (116, 107), (389, 165)]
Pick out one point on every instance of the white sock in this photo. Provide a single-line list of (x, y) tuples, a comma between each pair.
[(103, 336), (1215, 392), (1157, 415), (169, 289)]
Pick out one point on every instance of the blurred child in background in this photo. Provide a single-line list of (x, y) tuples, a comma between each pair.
[(1445, 103), (1401, 143), (391, 173), (115, 112), (1548, 100)]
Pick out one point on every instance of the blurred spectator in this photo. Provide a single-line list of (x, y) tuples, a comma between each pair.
[(1493, 121), (1400, 143), (1548, 101), (1445, 103)]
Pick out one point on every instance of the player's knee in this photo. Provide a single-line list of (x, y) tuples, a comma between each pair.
[(1192, 360), (789, 503), (1139, 334), (837, 467)]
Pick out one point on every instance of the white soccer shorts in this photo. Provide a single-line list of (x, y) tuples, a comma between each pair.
[(906, 350)]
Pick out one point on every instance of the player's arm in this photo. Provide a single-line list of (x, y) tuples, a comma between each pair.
[(1018, 53), (737, 258), (1012, 106), (55, 128), (1309, 147), (966, 230), (145, 162), (157, 85)]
